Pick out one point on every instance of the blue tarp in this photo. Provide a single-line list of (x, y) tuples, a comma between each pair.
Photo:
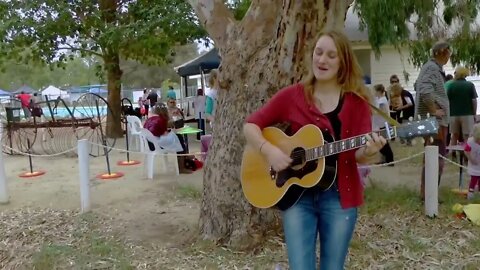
[(5, 93), (24, 88), (97, 90), (205, 62)]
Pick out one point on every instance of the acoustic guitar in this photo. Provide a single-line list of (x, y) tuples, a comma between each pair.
[(313, 161)]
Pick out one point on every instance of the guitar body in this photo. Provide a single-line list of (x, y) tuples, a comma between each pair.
[(265, 188), (315, 168)]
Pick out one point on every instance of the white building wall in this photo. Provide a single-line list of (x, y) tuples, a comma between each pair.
[(392, 62)]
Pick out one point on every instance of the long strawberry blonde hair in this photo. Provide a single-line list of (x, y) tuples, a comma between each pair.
[(349, 75)]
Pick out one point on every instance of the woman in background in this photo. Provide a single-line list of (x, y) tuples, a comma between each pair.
[(379, 121), (158, 124)]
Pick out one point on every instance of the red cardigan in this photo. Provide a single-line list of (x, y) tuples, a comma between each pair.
[(290, 105), (156, 124)]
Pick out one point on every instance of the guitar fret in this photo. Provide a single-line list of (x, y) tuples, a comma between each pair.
[(336, 147)]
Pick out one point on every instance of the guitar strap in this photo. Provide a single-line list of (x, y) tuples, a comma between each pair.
[(387, 117)]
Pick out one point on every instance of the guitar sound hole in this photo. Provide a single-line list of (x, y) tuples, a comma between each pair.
[(298, 156)]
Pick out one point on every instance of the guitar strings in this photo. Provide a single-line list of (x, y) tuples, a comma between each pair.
[(303, 152)]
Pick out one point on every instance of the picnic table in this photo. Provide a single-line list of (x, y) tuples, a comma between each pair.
[(185, 131), (459, 148)]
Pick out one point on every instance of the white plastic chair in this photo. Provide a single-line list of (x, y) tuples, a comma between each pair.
[(146, 137), (134, 126)]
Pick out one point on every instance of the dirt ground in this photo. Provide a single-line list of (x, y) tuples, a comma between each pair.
[(163, 210)]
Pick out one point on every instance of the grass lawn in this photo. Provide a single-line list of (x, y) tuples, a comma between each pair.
[(391, 233)]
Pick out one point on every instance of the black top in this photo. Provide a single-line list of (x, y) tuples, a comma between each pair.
[(153, 97), (410, 111), (334, 120)]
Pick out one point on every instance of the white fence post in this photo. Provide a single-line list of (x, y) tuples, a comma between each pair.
[(431, 180), (84, 173), (3, 177)]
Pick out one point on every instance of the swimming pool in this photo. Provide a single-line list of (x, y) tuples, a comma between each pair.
[(78, 112)]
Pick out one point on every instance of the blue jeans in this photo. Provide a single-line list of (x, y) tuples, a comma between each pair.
[(318, 213)]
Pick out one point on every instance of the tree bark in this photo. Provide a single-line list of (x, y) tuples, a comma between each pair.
[(269, 49), (114, 79), (111, 58)]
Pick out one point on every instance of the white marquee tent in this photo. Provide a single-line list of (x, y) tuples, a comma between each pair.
[(53, 92)]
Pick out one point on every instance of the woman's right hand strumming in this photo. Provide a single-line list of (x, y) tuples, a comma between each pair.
[(276, 157)]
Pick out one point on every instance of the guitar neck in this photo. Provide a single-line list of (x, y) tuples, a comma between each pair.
[(344, 145)]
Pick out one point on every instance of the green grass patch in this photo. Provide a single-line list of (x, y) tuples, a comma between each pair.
[(380, 200), (189, 192), (52, 257), (89, 252)]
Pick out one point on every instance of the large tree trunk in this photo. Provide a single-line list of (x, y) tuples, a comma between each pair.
[(111, 58), (114, 78), (269, 49)]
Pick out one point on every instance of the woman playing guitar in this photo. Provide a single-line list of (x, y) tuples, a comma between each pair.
[(330, 99)]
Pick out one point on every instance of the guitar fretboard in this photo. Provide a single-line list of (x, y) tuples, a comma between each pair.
[(336, 147)]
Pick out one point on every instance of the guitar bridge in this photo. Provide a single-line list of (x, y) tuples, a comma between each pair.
[(273, 174)]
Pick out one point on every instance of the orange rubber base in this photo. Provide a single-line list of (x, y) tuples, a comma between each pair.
[(31, 174), (106, 176), (128, 163), (462, 192)]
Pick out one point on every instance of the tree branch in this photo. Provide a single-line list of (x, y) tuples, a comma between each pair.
[(334, 8), (261, 20), (71, 48), (217, 19)]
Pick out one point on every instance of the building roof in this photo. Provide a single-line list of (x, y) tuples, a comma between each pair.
[(205, 62)]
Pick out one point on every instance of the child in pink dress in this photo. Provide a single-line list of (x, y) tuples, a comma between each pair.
[(472, 151)]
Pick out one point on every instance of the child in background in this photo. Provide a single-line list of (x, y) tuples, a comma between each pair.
[(396, 96), (472, 151)]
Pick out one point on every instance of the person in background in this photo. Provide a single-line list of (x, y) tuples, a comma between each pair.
[(462, 98), (210, 107), (334, 98), (379, 121), (157, 124), (395, 95), (393, 80), (404, 107), (448, 80), (35, 108), (25, 101), (431, 99), (152, 97), (146, 103), (472, 152), (211, 97), (171, 93), (199, 107)]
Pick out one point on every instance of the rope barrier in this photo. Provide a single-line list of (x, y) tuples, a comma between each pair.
[(144, 153), (391, 163), (34, 155), (453, 162), (101, 145)]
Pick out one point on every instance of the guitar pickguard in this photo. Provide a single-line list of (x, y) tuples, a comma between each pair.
[(298, 171), (283, 176)]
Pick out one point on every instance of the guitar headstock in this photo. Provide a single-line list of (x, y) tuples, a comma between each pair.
[(418, 128)]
